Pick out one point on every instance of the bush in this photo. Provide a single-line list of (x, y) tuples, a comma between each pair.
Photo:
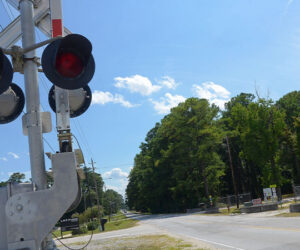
[(81, 230), (93, 225)]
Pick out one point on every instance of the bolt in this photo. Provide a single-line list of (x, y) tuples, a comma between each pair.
[(11, 213), (19, 198), (19, 207)]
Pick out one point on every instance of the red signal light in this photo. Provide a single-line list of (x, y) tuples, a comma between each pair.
[(68, 62), (68, 65)]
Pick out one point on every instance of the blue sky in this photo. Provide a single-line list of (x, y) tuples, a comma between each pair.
[(151, 55)]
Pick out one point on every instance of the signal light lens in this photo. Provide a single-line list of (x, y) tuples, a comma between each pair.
[(68, 65), (68, 62)]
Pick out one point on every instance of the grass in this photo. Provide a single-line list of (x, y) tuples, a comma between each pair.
[(58, 235), (146, 242), (118, 222), (121, 224), (153, 242), (224, 211), (284, 196), (232, 210)]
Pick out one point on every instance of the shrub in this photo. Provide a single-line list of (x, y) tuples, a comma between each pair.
[(93, 225), (81, 230)]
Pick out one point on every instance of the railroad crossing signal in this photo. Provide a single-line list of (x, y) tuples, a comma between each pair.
[(12, 99), (69, 65), (68, 62), (12, 103), (6, 72), (79, 100)]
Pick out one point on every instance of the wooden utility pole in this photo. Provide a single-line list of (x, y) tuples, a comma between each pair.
[(232, 173), (96, 189)]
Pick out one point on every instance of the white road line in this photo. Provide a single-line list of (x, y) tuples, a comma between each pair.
[(216, 243)]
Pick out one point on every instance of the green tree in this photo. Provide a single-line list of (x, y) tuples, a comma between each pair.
[(16, 177), (289, 154), (260, 126), (3, 183), (178, 165)]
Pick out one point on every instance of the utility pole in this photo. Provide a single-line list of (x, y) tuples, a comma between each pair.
[(97, 194), (232, 174)]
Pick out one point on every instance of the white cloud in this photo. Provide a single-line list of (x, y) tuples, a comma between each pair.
[(120, 187), (115, 173), (215, 93), (166, 103), (137, 84), (3, 159), (168, 82), (100, 97), (14, 155)]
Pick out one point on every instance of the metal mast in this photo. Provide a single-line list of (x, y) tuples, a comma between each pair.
[(33, 115)]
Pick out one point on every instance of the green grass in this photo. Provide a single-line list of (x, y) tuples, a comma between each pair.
[(231, 211), (57, 233), (284, 196), (225, 212), (118, 222), (121, 224)]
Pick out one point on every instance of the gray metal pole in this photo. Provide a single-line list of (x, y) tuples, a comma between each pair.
[(33, 115), (35, 137), (97, 194)]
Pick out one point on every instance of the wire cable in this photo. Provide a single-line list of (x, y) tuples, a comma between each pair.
[(79, 148), (74, 248), (89, 190), (8, 6), (5, 8), (48, 144)]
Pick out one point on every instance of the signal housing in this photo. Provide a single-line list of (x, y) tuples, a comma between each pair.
[(12, 103), (6, 72), (68, 62), (79, 99)]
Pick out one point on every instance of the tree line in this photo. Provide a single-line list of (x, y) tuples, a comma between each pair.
[(198, 151)]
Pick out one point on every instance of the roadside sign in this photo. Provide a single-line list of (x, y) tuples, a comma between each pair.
[(256, 201), (273, 186), (267, 194), (69, 224)]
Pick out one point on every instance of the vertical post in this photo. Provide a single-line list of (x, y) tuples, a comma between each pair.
[(33, 115), (97, 194), (61, 95)]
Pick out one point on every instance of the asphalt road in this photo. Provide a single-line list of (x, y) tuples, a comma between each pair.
[(254, 231)]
